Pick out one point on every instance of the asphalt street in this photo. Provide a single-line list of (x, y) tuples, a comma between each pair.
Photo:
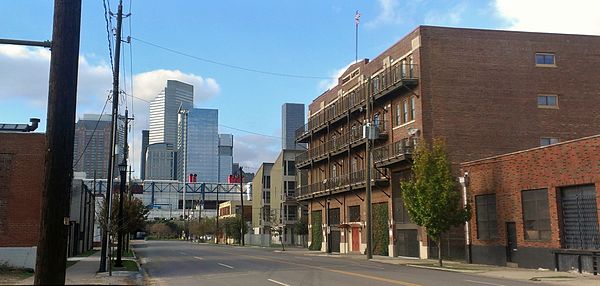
[(186, 263)]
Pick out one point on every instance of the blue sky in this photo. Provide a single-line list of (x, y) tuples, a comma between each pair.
[(310, 38)]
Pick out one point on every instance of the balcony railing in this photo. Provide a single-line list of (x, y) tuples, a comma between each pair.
[(392, 153), (337, 144), (340, 183), (398, 74)]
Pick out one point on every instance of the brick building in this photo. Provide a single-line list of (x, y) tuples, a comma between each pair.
[(532, 203), (21, 184), (485, 92)]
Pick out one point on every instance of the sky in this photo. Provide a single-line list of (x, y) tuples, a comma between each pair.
[(245, 58)]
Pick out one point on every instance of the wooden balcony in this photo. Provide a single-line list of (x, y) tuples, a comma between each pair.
[(397, 152), (342, 183)]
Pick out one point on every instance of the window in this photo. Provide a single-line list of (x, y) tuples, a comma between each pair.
[(267, 182), (333, 170), (397, 115), (545, 141), (354, 165), (487, 224), (354, 213), (266, 197), (544, 59), (547, 101), (291, 212), (536, 218), (334, 216), (291, 168), (291, 188), (405, 111), (412, 108), (375, 84)]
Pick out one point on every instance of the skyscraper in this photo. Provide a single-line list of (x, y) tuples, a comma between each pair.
[(292, 118), (94, 157), (164, 108), (198, 145), (145, 143), (160, 159), (225, 156)]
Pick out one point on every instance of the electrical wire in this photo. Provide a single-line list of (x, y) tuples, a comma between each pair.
[(109, 38), (93, 132), (230, 65)]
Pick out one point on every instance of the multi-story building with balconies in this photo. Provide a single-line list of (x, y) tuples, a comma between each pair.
[(484, 92)]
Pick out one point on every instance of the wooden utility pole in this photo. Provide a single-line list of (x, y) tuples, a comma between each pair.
[(242, 222), (113, 140), (60, 131)]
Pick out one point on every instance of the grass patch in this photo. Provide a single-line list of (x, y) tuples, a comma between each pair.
[(87, 253), (9, 274), (128, 253), (128, 265)]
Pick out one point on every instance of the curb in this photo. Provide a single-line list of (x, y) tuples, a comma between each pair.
[(444, 269), (141, 271)]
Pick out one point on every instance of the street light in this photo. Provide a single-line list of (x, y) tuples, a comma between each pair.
[(122, 171)]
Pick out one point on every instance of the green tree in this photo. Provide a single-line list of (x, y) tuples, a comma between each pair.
[(135, 215), (301, 226), (316, 228), (432, 196), (231, 226)]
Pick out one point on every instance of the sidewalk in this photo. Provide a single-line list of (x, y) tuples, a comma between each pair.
[(84, 272), (519, 274)]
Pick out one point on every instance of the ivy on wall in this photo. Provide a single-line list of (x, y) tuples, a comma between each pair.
[(380, 229), (316, 222)]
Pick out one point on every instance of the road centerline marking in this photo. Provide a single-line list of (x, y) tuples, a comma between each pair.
[(199, 258), (484, 283), (277, 282), (225, 265)]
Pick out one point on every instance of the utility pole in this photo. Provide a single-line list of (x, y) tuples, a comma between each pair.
[(217, 220), (368, 181), (122, 171), (113, 141), (60, 131), (241, 174)]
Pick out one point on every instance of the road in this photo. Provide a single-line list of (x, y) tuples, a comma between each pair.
[(185, 263)]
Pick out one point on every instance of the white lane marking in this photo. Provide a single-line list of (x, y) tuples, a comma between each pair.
[(182, 253), (199, 258), (225, 265), (484, 283), (277, 282)]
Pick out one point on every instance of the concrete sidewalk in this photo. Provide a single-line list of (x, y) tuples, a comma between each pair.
[(519, 274), (84, 272)]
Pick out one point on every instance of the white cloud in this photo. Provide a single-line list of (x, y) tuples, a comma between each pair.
[(388, 13), (148, 84), (326, 84), (451, 17), (557, 16), (252, 150), (25, 73)]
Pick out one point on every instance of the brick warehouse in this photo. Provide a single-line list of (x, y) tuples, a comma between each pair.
[(21, 168), (538, 207), (485, 92)]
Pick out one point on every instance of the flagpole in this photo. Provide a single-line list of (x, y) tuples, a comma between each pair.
[(356, 18), (356, 21)]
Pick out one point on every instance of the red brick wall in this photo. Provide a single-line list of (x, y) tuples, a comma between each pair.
[(21, 184), (551, 167)]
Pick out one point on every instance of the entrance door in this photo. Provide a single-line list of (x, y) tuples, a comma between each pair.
[(355, 239), (407, 243), (335, 240), (511, 241)]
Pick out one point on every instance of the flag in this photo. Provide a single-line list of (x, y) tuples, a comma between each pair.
[(357, 17)]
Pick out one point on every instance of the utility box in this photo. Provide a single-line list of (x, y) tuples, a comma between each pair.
[(370, 131)]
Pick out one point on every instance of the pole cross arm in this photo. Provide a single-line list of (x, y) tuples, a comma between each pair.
[(45, 44)]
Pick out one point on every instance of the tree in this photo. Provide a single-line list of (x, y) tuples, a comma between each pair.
[(276, 227), (231, 226), (432, 196), (134, 219)]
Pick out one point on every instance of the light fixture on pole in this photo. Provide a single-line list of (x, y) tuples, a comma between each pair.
[(123, 173)]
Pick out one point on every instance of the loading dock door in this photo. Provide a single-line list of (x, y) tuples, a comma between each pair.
[(580, 217)]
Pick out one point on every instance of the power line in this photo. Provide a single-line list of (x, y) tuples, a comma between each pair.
[(230, 65), (106, 19), (222, 125), (93, 132)]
